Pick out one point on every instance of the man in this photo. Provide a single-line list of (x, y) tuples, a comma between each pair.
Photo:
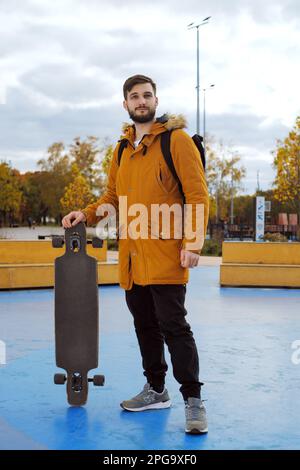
[(153, 270)]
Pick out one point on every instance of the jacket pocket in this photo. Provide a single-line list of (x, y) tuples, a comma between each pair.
[(165, 178), (159, 180)]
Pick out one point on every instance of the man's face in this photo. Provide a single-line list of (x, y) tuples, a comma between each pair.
[(141, 103)]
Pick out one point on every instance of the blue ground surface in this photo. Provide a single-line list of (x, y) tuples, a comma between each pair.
[(244, 338)]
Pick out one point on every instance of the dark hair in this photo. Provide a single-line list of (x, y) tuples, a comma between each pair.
[(134, 80)]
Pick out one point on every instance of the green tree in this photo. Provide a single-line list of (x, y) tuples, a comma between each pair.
[(243, 209), (32, 202)]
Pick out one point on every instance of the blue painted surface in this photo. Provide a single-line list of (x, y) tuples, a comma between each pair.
[(244, 338)]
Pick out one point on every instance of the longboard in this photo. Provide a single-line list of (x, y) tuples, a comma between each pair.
[(76, 314)]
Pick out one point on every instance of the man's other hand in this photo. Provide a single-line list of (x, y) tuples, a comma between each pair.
[(188, 259)]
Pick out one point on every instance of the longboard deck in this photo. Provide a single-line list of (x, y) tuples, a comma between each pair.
[(76, 314)]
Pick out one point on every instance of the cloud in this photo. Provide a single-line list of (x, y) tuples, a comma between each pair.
[(63, 63), (37, 128), (247, 130), (69, 84), (258, 170)]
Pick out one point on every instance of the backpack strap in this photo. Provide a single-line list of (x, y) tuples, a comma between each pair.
[(122, 146), (165, 143), (198, 139)]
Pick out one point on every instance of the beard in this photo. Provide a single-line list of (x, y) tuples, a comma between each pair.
[(147, 116)]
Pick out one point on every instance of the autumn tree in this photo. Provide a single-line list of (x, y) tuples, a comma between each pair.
[(287, 164), (77, 194), (224, 176), (32, 201), (106, 161), (10, 193), (86, 155), (56, 175)]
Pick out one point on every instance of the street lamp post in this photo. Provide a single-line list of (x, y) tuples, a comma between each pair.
[(204, 118), (192, 26), (231, 199)]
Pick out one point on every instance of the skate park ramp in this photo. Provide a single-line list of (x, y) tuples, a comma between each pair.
[(247, 342)]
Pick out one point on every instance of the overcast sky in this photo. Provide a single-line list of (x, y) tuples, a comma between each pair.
[(63, 64)]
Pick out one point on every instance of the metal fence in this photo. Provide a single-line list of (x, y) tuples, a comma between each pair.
[(244, 231)]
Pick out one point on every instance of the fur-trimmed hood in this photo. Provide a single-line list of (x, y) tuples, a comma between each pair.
[(166, 121)]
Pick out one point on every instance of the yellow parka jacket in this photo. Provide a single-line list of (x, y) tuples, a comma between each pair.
[(144, 178)]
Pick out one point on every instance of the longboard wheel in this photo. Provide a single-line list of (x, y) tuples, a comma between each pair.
[(57, 242), (97, 242), (99, 380), (60, 379)]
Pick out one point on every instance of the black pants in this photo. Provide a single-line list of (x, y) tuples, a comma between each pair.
[(159, 316)]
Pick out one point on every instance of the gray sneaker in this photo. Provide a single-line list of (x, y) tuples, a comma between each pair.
[(195, 414), (148, 399)]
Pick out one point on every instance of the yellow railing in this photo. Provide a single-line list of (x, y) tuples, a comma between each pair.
[(265, 264), (30, 263)]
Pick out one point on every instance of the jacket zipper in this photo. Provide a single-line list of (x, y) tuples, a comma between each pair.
[(142, 249)]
